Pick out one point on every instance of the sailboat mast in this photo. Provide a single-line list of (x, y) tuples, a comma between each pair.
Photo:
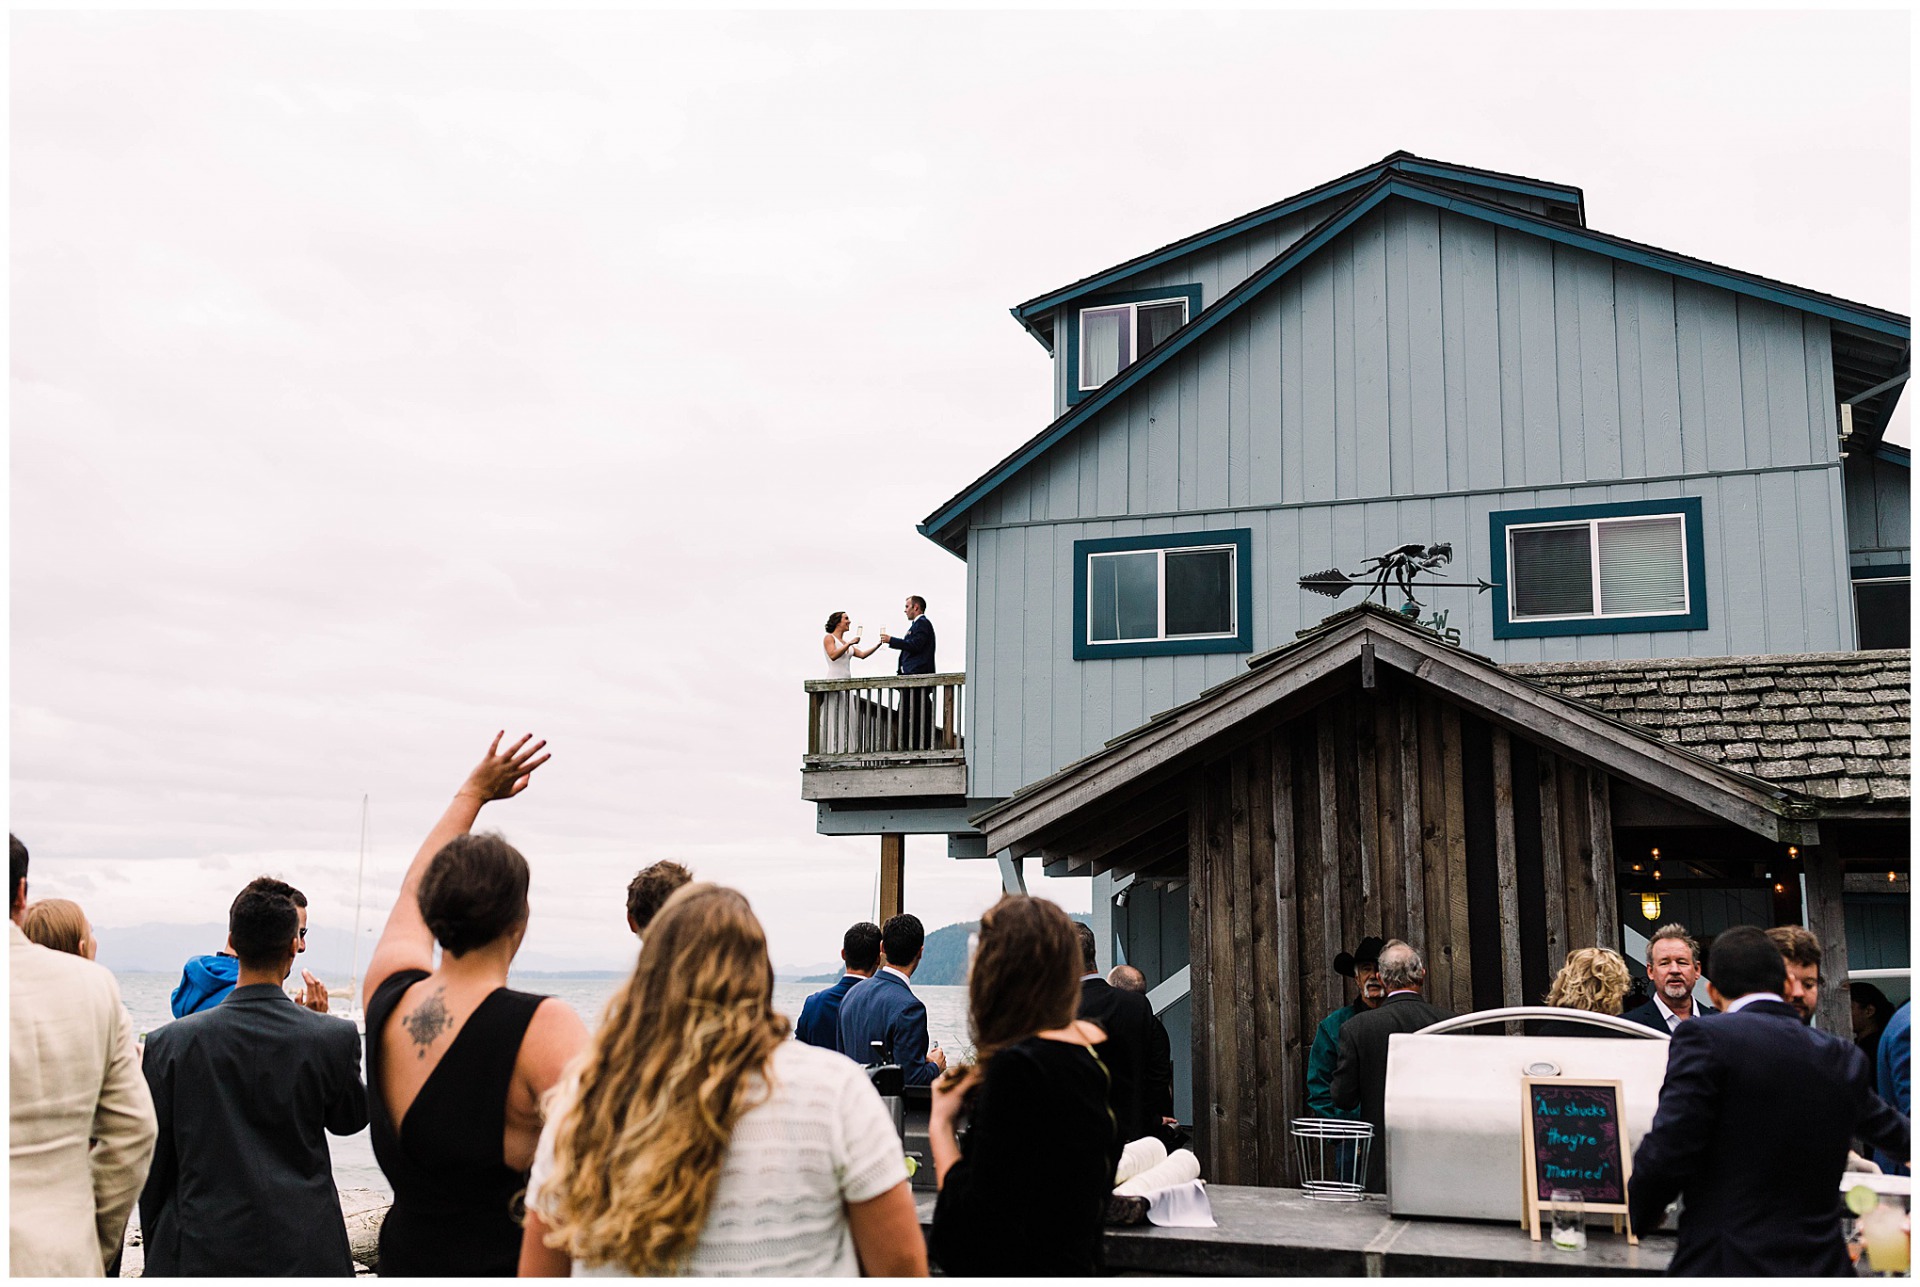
[(353, 971)]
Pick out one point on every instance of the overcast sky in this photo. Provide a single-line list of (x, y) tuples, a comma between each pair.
[(381, 381)]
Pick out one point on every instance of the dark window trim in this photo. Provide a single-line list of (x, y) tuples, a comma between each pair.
[(1240, 538), (1689, 509), (1190, 292), (1882, 572)]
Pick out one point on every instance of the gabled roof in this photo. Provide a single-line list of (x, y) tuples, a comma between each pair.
[(1367, 635), (1036, 313), (938, 526)]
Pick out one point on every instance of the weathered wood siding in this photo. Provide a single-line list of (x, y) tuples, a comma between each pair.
[(1416, 375), (1879, 499), (1393, 812)]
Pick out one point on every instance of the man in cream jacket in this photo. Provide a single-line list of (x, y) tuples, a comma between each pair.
[(83, 1124)]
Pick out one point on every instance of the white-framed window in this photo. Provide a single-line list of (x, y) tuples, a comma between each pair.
[(1596, 568), (1113, 335), (1882, 608), (1145, 596)]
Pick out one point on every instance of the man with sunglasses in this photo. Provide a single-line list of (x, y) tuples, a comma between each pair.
[(206, 980)]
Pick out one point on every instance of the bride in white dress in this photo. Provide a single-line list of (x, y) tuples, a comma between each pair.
[(838, 729)]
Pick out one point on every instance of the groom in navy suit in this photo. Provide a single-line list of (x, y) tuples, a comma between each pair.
[(884, 1009), (820, 1017), (916, 646), (916, 658)]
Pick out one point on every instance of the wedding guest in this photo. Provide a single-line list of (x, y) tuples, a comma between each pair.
[(206, 980), (1028, 1195), (753, 1154), (649, 888), (242, 1181), (1594, 979), (1871, 1010), (59, 923), (458, 1170), (1127, 978), (82, 1126)]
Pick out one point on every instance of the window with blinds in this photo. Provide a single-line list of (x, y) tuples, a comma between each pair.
[(1598, 568)]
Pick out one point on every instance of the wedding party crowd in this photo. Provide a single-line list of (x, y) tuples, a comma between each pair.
[(697, 1131), (688, 1134)]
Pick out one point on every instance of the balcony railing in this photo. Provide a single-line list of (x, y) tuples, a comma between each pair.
[(907, 725)]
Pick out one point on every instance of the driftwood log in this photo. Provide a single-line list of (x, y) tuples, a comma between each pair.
[(363, 1209)]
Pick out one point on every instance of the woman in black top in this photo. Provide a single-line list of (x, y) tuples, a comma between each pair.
[(1030, 1192), (456, 1060)]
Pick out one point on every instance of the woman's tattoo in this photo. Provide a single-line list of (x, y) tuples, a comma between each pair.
[(427, 1022)]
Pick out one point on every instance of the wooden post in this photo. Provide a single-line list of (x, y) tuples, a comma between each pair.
[(1826, 917), (1507, 871), (893, 874)]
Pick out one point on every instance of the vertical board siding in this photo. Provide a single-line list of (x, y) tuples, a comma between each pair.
[(1426, 351)]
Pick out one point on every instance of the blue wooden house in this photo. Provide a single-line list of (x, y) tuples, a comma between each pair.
[(1686, 689)]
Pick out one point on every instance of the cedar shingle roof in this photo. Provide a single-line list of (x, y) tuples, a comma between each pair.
[(1833, 725)]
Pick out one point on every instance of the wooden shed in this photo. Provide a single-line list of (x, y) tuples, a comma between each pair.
[(1370, 778)]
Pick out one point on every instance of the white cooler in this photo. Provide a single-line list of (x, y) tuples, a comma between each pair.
[(1454, 1105)]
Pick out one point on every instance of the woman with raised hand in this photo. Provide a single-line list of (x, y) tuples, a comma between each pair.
[(1030, 1192), (457, 1061), (695, 1138)]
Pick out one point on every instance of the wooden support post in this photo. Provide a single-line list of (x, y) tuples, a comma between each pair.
[(1606, 890), (893, 874), (1506, 867), (1826, 917)]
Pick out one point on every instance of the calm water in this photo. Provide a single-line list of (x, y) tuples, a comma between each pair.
[(147, 996)]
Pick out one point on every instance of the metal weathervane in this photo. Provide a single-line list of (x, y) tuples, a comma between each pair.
[(1400, 566)]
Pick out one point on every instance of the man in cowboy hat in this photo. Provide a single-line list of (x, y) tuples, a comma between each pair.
[(1362, 966)]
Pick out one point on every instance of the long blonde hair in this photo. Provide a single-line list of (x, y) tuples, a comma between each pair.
[(681, 1054), (1593, 979)]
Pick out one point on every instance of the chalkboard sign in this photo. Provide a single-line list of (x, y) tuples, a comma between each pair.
[(1574, 1138)]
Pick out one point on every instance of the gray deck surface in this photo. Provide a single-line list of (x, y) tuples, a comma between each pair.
[(1282, 1231)]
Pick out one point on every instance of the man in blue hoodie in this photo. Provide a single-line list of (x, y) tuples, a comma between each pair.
[(206, 980)]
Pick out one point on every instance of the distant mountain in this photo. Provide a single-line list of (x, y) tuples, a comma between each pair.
[(944, 960), (162, 949)]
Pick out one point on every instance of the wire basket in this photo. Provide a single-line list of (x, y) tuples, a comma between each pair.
[(1333, 1157)]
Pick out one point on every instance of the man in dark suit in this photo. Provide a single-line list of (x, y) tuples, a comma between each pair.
[(1360, 1077), (242, 1184), (1753, 1128), (884, 1009), (820, 1016), (1137, 1053), (1673, 967), (916, 658)]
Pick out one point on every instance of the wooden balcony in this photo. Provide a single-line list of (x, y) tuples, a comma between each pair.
[(887, 736)]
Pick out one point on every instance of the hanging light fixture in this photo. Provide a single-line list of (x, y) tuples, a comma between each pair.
[(1650, 906)]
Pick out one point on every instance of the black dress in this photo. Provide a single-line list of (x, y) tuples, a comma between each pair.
[(456, 1203), (1030, 1192)]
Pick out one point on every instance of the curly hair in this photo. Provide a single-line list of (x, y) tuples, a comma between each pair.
[(1026, 974), (1594, 979), (681, 1054), (649, 890), (1797, 944)]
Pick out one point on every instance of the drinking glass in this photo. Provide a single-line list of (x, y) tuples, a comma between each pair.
[(1569, 1219)]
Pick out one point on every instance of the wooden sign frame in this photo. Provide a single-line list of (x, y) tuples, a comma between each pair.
[(1532, 1204)]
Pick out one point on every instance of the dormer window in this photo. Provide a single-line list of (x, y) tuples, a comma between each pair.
[(1108, 334), (1112, 336)]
